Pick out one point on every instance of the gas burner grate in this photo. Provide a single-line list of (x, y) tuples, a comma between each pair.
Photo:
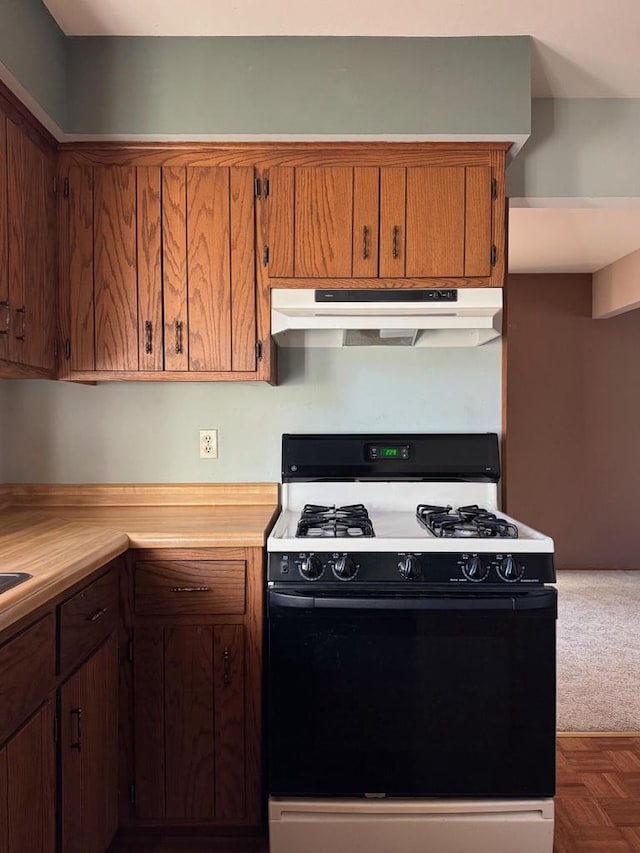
[(342, 521), (466, 521)]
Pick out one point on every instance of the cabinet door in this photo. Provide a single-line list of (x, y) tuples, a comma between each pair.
[(89, 750), (189, 722), (114, 274), (435, 222), (208, 269), (32, 236), (5, 308), (149, 270), (317, 217), (27, 788)]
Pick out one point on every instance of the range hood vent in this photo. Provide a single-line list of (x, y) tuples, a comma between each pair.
[(464, 317)]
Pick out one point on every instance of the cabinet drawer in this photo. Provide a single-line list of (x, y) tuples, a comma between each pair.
[(87, 619), (27, 673), (191, 587)]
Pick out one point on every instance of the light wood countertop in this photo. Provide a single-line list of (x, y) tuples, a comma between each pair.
[(61, 534), (56, 552)]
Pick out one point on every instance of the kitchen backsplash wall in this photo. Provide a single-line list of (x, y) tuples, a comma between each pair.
[(148, 432)]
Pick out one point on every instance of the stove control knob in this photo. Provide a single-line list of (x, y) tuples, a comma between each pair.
[(311, 568), (344, 568), (474, 570), (509, 570), (409, 567)]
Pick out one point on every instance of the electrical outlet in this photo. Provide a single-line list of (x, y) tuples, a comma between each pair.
[(208, 444)]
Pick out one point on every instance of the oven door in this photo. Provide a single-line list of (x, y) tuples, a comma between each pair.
[(429, 695)]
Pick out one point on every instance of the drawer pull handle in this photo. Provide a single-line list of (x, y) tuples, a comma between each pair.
[(77, 743), (189, 589), (226, 677), (365, 243), (97, 615)]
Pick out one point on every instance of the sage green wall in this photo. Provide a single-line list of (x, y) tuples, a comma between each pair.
[(33, 48), (299, 85), (148, 432), (580, 147)]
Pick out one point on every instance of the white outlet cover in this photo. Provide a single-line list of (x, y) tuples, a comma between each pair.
[(208, 444)]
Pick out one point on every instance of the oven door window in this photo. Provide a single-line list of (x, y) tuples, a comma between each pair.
[(405, 702)]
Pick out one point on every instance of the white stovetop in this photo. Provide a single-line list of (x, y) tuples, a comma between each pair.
[(392, 510)]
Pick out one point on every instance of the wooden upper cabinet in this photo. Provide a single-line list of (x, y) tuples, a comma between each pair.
[(160, 270), (27, 250), (317, 222), (437, 215)]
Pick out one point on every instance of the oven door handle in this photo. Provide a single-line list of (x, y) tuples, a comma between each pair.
[(544, 600)]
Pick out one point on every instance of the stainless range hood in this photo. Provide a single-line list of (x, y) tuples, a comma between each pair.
[(447, 317)]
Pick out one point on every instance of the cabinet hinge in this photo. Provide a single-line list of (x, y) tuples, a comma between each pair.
[(67, 349), (132, 794), (55, 730), (130, 651), (258, 350), (265, 256), (494, 255), (494, 189), (260, 187), (65, 190)]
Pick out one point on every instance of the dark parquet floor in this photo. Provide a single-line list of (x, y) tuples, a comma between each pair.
[(597, 804)]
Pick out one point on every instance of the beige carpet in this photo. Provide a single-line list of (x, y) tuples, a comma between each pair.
[(598, 651)]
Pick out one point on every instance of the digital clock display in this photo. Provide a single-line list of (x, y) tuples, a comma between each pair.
[(375, 452)]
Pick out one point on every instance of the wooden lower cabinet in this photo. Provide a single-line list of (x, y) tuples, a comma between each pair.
[(27, 787), (189, 723), (197, 676), (89, 753)]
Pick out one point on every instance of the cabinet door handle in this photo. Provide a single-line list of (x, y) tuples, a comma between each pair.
[(77, 743), (396, 234), (21, 312), (178, 327), (365, 243), (98, 614), (148, 336), (4, 305), (189, 589), (226, 658)]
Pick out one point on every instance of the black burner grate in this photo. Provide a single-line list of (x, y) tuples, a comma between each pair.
[(342, 521), (466, 521)]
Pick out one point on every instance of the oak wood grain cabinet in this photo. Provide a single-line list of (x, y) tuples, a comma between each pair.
[(88, 716), (27, 746), (157, 270), (89, 753), (371, 216), (197, 638), (27, 252), (27, 787)]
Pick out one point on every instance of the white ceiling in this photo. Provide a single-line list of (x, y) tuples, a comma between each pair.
[(583, 48), (557, 241)]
